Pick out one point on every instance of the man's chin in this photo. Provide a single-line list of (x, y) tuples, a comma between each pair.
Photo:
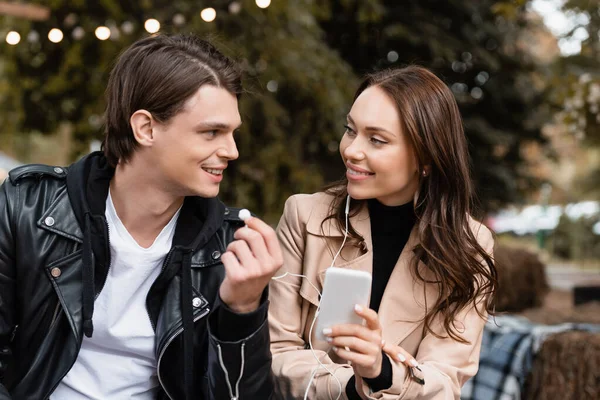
[(206, 193)]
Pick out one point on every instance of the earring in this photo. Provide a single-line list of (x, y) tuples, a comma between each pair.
[(424, 173)]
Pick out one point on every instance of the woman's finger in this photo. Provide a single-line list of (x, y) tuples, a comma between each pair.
[(355, 330), (355, 358), (354, 344), (369, 315), (400, 355)]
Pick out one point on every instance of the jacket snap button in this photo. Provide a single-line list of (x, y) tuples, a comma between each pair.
[(196, 302), (216, 255), (55, 272), (58, 170), (49, 221)]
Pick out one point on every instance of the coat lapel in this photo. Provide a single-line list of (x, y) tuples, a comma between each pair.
[(406, 299), (351, 257)]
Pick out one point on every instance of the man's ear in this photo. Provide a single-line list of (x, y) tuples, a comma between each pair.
[(142, 124)]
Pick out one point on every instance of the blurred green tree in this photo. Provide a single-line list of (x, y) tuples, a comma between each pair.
[(293, 113), (301, 60), (479, 49), (577, 83)]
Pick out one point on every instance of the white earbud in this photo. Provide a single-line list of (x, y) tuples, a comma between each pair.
[(244, 214)]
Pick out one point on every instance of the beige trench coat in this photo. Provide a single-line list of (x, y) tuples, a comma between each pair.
[(445, 363)]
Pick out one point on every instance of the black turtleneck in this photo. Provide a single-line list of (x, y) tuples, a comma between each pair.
[(390, 229)]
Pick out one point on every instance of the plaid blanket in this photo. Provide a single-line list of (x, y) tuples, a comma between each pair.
[(508, 347)]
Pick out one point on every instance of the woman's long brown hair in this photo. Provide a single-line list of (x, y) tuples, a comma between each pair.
[(464, 272)]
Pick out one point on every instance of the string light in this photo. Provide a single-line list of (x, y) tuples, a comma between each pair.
[(151, 25), (208, 14), (78, 33), (263, 3), (102, 32), (235, 7), (127, 27), (55, 35), (13, 38)]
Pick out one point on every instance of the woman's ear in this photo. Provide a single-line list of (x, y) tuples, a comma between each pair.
[(142, 124)]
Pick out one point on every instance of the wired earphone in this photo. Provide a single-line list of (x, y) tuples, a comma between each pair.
[(277, 278)]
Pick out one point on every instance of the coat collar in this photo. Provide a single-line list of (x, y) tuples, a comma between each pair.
[(318, 226)]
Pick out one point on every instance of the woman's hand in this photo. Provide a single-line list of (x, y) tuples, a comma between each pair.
[(361, 345)]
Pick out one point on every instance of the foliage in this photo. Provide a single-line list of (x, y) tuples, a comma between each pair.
[(302, 60), (577, 85)]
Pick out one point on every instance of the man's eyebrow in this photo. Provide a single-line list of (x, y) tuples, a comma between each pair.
[(216, 126)]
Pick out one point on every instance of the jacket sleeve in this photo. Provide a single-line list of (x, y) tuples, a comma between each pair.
[(293, 363), (7, 284), (239, 368), (445, 364)]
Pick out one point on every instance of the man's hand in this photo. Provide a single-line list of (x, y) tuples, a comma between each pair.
[(250, 262)]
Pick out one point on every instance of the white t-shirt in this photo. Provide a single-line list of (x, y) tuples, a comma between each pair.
[(118, 361)]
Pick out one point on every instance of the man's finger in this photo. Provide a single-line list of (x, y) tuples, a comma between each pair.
[(231, 264), (268, 235), (246, 259), (256, 243)]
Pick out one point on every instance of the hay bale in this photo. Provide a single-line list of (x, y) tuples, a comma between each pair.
[(522, 279), (566, 367), (586, 313)]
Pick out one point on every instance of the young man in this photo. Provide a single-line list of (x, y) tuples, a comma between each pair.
[(123, 276)]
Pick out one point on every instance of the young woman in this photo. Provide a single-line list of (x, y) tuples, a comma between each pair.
[(409, 226)]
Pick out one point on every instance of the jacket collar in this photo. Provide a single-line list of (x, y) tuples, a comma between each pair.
[(59, 218)]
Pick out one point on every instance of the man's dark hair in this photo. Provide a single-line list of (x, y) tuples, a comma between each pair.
[(158, 74)]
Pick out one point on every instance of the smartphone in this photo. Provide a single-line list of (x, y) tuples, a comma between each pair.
[(342, 290)]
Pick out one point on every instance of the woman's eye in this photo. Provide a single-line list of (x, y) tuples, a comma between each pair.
[(349, 131), (377, 141)]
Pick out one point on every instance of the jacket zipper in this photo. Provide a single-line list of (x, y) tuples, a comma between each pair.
[(169, 341)]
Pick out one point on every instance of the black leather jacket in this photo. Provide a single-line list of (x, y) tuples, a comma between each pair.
[(43, 259)]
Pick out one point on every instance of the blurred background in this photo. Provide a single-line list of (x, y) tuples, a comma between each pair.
[(526, 75)]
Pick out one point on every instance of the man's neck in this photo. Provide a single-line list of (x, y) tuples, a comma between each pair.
[(143, 208)]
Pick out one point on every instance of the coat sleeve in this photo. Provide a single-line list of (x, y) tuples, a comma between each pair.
[(293, 362), (445, 364), (7, 284)]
